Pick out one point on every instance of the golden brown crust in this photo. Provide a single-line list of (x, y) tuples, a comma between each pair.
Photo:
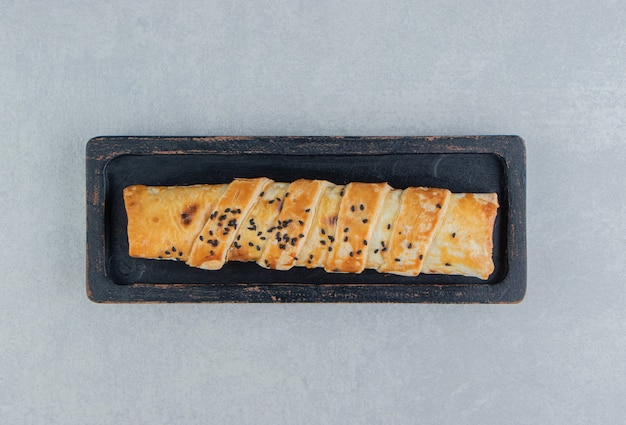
[(358, 213), (286, 237), (419, 217), (252, 234), (211, 246), (464, 243), (379, 241), (316, 248), (163, 222)]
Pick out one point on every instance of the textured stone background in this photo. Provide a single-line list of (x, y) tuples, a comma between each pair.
[(552, 72)]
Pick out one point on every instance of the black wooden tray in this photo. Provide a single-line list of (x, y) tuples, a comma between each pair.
[(461, 164)]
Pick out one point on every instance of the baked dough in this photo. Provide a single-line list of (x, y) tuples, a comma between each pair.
[(315, 224)]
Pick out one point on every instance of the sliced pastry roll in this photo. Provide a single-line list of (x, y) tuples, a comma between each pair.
[(211, 247), (381, 236), (163, 222)]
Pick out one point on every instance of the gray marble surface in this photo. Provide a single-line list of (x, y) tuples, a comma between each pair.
[(551, 72)]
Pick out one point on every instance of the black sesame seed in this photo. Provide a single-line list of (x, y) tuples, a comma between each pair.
[(365, 220), (341, 193), (278, 199), (351, 254), (361, 207), (286, 238), (364, 241), (300, 235), (323, 232), (233, 223), (250, 244), (307, 210), (173, 249), (222, 217), (454, 235), (359, 252), (282, 246), (286, 194), (219, 224), (301, 222), (271, 201), (330, 248), (211, 252), (308, 261), (293, 241), (263, 238), (376, 251), (258, 248), (167, 253), (410, 245), (160, 256), (262, 193), (448, 264), (323, 242), (438, 205), (238, 211), (352, 208), (389, 226), (311, 256), (331, 238), (382, 243), (238, 237), (397, 259), (227, 210), (201, 237), (384, 249), (267, 263), (345, 239), (345, 230), (421, 256)]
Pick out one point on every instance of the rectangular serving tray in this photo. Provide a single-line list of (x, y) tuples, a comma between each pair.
[(461, 164)]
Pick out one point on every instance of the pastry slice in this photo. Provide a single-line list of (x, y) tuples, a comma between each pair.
[(464, 243), (252, 234), (379, 241), (163, 222), (360, 208), (286, 236), (322, 233), (210, 248), (419, 217)]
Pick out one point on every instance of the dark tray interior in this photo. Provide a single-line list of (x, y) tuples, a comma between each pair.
[(459, 172)]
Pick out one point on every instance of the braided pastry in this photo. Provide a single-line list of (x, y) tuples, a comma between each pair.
[(314, 223)]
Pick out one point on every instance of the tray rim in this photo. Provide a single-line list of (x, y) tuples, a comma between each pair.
[(101, 288)]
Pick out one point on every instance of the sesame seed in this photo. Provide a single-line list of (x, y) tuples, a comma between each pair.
[(352, 208), (238, 237), (259, 234), (300, 235), (308, 261), (167, 253), (211, 252), (421, 256), (331, 238), (359, 252), (294, 241), (227, 210), (222, 217), (271, 201), (282, 246), (365, 220), (345, 230), (258, 248), (307, 210), (410, 245), (263, 238), (448, 264), (439, 206), (278, 199), (250, 244), (376, 251), (341, 193), (323, 232), (454, 235), (330, 248), (267, 263), (389, 226), (364, 241), (262, 193), (160, 256), (201, 237), (345, 239), (323, 242), (311, 256), (351, 254), (211, 232), (384, 249), (361, 207), (286, 238), (286, 194), (397, 259)]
